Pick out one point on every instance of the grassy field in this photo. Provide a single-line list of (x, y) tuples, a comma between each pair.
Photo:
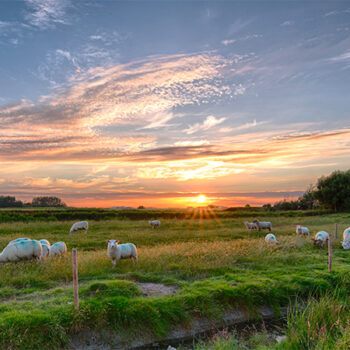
[(214, 264)]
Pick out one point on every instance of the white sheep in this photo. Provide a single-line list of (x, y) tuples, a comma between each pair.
[(46, 247), (250, 225), (57, 249), (302, 230), (270, 238), (263, 225), (21, 250), (19, 240), (81, 225), (321, 238), (116, 251), (154, 223), (346, 238)]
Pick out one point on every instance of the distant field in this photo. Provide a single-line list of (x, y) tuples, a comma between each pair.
[(212, 263), (28, 214)]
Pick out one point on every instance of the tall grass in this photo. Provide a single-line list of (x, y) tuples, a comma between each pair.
[(215, 264)]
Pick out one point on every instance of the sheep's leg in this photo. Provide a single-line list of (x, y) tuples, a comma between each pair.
[(114, 262)]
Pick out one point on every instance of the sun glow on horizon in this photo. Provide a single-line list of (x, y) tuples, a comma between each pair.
[(201, 199)]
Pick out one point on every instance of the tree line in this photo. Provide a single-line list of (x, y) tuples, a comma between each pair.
[(330, 192), (43, 201)]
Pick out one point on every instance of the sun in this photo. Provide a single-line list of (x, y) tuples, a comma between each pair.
[(201, 199)]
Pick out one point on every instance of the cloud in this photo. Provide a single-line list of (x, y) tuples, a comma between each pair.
[(139, 95), (158, 120), (246, 37), (336, 12), (208, 123), (287, 23), (48, 13), (344, 57), (228, 41), (249, 125)]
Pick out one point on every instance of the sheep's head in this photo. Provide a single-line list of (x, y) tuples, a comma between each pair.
[(112, 243), (256, 221)]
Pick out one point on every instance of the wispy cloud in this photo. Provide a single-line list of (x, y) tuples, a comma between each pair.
[(228, 41), (48, 13), (246, 37), (140, 95), (208, 123), (287, 23), (337, 12), (344, 57)]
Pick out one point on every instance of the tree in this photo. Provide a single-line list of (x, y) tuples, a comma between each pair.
[(10, 202), (307, 200), (333, 191), (47, 202), (140, 207)]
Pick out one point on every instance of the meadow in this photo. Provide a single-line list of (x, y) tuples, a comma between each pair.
[(212, 264)]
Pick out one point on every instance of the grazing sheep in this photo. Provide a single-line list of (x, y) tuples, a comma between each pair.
[(270, 238), (250, 225), (154, 223), (117, 251), (263, 225), (19, 240), (302, 230), (21, 250), (346, 238), (58, 249), (46, 247), (81, 225), (321, 238)]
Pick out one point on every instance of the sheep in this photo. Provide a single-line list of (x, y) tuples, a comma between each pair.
[(302, 230), (250, 225), (21, 250), (57, 249), (321, 238), (346, 238), (116, 251), (263, 225), (81, 225), (19, 240), (154, 223), (45, 244), (270, 238)]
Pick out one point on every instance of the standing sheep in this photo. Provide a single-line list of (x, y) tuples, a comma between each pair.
[(117, 251), (154, 223), (270, 238), (45, 244), (302, 230), (263, 225), (57, 249), (250, 225), (21, 250), (81, 225), (321, 238), (346, 238)]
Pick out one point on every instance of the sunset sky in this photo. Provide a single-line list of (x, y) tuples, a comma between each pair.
[(109, 103)]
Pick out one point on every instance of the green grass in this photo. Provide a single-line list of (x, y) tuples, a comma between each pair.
[(215, 264)]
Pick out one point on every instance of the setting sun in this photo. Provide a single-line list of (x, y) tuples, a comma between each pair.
[(200, 199)]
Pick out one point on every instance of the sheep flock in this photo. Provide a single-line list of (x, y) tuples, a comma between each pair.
[(27, 248)]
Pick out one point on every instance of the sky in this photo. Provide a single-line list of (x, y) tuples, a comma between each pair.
[(155, 103)]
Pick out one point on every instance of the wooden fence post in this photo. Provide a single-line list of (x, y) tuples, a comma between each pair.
[(330, 253), (75, 278)]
